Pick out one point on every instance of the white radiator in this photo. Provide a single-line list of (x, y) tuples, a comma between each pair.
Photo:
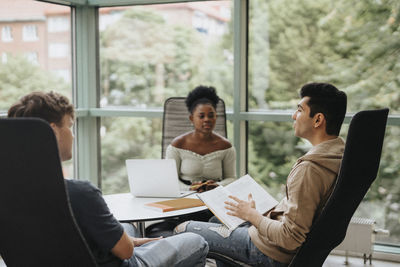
[(360, 237)]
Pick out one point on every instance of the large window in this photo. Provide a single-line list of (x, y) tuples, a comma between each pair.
[(150, 52), (26, 67), (30, 33), (6, 34), (58, 24), (350, 44), (147, 55)]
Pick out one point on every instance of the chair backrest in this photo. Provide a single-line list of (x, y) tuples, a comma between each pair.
[(37, 227), (176, 121), (357, 172)]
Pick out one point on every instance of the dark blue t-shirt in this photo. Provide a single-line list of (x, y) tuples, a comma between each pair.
[(99, 227)]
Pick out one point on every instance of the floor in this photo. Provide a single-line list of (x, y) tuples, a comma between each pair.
[(337, 261), (331, 261)]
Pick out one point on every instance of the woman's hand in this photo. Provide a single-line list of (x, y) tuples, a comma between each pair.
[(195, 185), (245, 210), (137, 242), (203, 186), (210, 184)]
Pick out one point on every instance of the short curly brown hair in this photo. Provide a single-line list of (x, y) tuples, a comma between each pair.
[(51, 107)]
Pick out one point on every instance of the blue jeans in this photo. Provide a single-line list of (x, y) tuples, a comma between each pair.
[(181, 251), (237, 245)]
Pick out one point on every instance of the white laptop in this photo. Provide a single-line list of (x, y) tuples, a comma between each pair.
[(154, 178)]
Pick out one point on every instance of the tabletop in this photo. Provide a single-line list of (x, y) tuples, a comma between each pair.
[(127, 208)]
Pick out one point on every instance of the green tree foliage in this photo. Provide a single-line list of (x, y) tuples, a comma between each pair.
[(274, 150), (299, 43), (159, 60), (354, 45), (18, 77), (367, 42), (368, 69)]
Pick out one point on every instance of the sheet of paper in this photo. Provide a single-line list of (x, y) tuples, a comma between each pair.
[(214, 200), (242, 187)]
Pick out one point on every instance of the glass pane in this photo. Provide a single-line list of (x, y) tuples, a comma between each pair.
[(152, 52), (350, 44), (126, 138), (273, 149), (129, 138), (382, 200), (25, 63), (229, 131)]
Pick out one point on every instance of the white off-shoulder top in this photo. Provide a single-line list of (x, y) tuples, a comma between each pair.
[(218, 165)]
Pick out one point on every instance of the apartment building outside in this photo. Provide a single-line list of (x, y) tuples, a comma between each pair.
[(41, 32)]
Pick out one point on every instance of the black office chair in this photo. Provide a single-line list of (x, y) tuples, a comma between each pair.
[(37, 227), (176, 121), (358, 171)]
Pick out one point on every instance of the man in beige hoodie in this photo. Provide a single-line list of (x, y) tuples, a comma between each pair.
[(273, 238)]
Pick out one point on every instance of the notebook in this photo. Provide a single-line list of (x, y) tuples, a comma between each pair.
[(174, 204), (154, 178)]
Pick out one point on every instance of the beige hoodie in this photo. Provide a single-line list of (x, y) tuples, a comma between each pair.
[(282, 230)]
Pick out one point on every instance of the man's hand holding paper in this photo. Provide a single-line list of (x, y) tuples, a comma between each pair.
[(245, 210), (227, 203)]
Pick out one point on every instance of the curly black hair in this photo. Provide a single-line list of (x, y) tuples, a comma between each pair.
[(201, 95)]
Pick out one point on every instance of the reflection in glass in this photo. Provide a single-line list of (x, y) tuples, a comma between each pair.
[(149, 53)]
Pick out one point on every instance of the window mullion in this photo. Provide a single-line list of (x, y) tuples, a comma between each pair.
[(240, 84), (87, 94)]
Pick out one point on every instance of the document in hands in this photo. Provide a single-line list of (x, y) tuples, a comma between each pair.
[(241, 188)]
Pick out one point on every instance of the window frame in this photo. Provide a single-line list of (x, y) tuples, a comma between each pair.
[(58, 24), (30, 33), (7, 34)]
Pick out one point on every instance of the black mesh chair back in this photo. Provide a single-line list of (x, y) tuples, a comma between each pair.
[(176, 121), (358, 170), (37, 227)]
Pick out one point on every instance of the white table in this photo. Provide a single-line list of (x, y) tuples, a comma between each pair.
[(127, 208)]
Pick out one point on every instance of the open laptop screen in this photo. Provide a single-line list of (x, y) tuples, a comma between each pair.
[(153, 177)]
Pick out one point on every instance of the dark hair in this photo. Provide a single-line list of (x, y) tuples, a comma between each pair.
[(51, 107), (201, 95), (328, 100)]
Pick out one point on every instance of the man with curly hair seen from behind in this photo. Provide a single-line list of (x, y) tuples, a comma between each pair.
[(112, 243)]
